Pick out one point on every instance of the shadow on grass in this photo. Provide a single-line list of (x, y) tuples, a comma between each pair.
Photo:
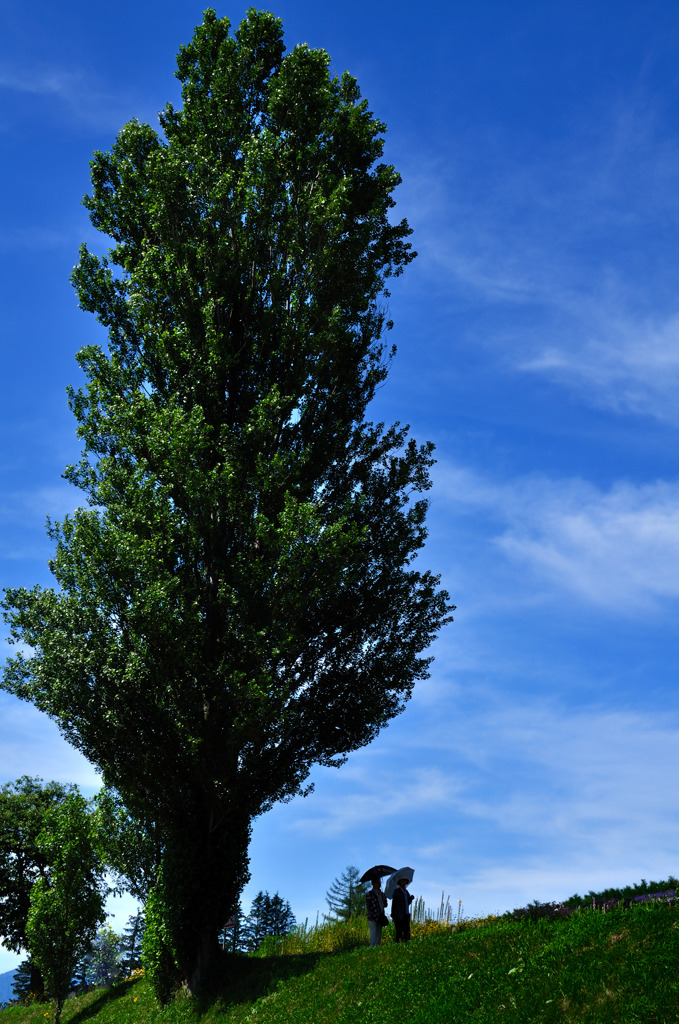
[(241, 979), (99, 1001), (236, 979)]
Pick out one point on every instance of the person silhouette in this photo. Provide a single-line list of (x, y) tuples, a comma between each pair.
[(375, 902), (400, 911)]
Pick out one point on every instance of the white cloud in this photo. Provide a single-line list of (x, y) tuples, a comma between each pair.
[(56, 502), (587, 798), (85, 100), (561, 249), (610, 769), (36, 239), (504, 804), (375, 797), (616, 548), (51, 82), (625, 365)]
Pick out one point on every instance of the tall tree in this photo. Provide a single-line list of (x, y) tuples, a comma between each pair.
[(239, 601), (24, 804), (346, 895)]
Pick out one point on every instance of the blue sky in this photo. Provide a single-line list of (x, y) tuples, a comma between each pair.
[(538, 337)]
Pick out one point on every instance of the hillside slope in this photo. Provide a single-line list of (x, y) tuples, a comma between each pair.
[(591, 968)]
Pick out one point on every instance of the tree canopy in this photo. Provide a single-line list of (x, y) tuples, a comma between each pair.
[(237, 601), (129, 845)]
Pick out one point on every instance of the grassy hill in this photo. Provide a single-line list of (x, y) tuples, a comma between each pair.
[(589, 968)]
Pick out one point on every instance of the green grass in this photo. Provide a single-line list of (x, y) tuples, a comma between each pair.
[(590, 968)]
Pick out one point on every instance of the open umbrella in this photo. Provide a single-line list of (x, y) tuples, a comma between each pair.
[(377, 871), (392, 881)]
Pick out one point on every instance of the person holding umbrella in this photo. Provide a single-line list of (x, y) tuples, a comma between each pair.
[(401, 899), (376, 901)]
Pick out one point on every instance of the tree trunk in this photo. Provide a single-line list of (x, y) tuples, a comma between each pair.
[(201, 878), (36, 984), (206, 958)]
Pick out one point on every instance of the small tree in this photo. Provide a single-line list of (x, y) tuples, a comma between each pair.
[(103, 958), (270, 915), (66, 904), (23, 982), (131, 943), (346, 895), (23, 807)]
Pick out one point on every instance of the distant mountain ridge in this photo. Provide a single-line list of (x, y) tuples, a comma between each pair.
[(6, 980)]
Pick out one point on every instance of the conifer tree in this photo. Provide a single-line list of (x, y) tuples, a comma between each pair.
[(346, 895), (23, 982), (131, 943), (231, 937), (104, 958), (269, 915)]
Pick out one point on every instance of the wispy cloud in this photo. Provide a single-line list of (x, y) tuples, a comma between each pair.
[(609, 768), (562, 248), (575, 797), (377, 797), (20, 505), (586, 796), (83, 99), (617, 549), (625, 365), (52, 82), (38, 239)]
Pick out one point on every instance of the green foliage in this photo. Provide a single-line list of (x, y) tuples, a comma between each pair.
[(238, 601), (328, 936), (103, 959), (131, 943), (269, 916), (129, 844), (159, 956), (23, 806), (67, 903), (346, 895), (337, 935), (591, 968), (24, 986), (642, 888)]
